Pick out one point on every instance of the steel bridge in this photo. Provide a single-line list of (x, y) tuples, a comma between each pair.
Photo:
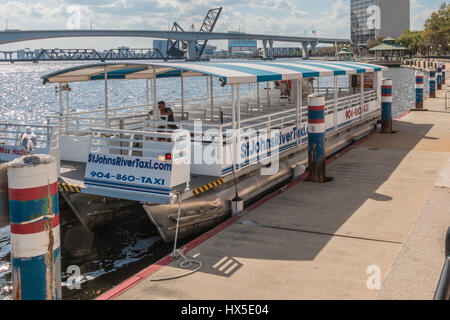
[(192, 38), (80, 55), (115, 54)]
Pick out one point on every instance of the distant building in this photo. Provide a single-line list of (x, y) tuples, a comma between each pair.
[(161, 45), (209, 50), (373, 18), (241, 45)]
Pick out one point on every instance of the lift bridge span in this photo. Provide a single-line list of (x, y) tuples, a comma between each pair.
[(191, 37)]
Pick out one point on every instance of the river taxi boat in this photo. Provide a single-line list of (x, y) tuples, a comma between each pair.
[(243, 132)]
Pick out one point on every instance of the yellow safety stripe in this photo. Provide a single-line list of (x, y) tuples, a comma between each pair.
[(62, 186), (208, 186)]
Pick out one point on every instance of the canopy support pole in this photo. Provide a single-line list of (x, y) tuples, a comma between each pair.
[(61, 107), (268, 95), (233, 116), (233, 111), (106, 98), (182, 96), (67, 106), (258, 100), (298, 104), (238, 105), (335, 98), (155, 116), (211, 97), (361, 115), (147, 96)]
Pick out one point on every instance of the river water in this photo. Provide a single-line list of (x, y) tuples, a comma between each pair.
[(121, 250)]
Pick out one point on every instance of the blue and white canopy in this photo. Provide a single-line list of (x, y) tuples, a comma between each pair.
[(229, 72)]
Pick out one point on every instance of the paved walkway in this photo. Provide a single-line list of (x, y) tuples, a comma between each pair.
[(382, 213)]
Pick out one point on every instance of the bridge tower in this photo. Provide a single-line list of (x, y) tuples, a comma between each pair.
[(176, 48), (207, 26), (304, 49), (195, 49)]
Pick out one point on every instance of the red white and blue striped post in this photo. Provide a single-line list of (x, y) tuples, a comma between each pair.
[(432, 83), (35, 233), (386, 106), (419, 89), (443, 73), (439, 77), (316, 138)]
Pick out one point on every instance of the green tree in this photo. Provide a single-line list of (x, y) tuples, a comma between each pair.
[(437, 28), (413, 40), (375, 42)]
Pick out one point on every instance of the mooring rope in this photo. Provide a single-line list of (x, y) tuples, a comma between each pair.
[(187, 262)]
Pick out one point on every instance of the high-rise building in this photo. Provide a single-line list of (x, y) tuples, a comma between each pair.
[(373, 18)]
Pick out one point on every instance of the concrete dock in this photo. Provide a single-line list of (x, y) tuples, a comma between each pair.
[(375, 231)]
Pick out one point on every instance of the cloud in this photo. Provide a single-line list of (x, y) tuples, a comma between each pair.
[(419, 13)]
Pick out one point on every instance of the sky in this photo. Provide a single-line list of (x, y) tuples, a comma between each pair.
[(330, 18)]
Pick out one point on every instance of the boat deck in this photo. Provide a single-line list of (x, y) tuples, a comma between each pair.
[(326, 241), (72, 174)]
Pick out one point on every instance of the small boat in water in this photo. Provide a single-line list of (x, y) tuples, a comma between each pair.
[(185, 164)]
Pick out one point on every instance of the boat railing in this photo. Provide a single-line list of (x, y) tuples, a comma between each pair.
[(330, 90), (153, 144), (199, 131), (80, 126), (11, 144), (140, 108), (273, 119), (74, 125), (128, 122), (370, 95), (276, 115), (46, 135)]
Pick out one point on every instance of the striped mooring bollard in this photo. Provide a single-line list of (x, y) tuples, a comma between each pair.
[(316, 138), (35, 232), (432, 83), (443, 73), (386, 106), (439, 77), (419, 90)]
